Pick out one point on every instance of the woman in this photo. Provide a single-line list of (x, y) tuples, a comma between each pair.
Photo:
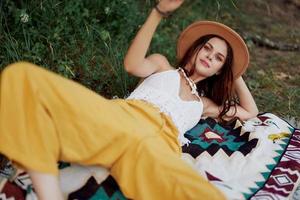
[(45, 118)]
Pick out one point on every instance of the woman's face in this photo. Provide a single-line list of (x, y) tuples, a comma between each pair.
[(210, 58)]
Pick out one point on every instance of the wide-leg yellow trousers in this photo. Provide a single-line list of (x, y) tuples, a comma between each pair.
[(45, 118)]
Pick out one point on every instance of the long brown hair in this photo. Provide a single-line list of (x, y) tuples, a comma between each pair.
[(219, 88)]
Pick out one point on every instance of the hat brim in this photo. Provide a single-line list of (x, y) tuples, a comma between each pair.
[(202, 28)]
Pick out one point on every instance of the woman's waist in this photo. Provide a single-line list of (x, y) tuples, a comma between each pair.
[(164, 123), (148, 106)]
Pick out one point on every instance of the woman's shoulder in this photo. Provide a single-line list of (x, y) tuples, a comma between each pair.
[(161, 61)]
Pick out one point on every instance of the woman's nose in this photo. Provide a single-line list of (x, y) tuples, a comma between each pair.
[(209, 56)]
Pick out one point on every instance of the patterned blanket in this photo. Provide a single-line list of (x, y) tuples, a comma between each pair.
[(258, 159)]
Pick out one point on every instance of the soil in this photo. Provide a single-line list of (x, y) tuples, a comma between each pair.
[(279, 21)]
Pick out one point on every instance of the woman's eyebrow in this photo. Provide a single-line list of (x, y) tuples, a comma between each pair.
[(211, 46)]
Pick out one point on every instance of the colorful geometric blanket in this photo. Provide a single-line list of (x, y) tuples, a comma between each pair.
[(259, 159)]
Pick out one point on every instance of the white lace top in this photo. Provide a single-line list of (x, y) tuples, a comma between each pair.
[(162, 90)]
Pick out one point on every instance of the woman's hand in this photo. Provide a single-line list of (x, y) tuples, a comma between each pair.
[(169, 5), (136, 62)]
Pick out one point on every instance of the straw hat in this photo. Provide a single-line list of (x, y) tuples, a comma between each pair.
[(201, 28)]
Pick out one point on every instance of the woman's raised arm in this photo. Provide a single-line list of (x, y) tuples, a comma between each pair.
[(135, 61)]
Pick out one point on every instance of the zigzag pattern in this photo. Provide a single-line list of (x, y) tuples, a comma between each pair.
[(108, 189), (276, 190), (234, 140), (201, 151), (195, 150), (285, 175)]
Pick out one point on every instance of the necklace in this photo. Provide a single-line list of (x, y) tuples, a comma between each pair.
[(191, 83)]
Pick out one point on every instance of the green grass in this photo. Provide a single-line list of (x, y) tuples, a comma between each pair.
[(86, 40), (275, 81)]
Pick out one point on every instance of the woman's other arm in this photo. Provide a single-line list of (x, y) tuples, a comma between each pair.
[(135, 61), (246, 108)]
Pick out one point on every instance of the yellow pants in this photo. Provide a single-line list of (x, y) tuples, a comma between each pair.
[(45, 118)]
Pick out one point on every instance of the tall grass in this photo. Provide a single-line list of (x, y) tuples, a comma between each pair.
[(86, 40)]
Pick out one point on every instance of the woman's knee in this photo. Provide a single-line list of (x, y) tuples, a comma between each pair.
[(17, 68), (17, 73)]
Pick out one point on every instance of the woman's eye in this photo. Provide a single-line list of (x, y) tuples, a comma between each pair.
[(219, 59)]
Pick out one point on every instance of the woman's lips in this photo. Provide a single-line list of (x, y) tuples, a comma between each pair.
[(203, 62)]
